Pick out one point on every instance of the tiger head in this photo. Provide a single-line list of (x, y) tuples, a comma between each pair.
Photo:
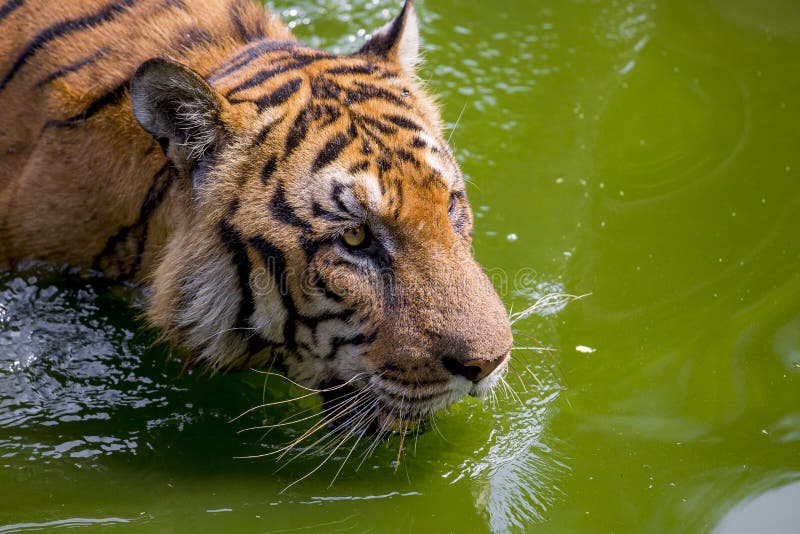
[(328, 231)]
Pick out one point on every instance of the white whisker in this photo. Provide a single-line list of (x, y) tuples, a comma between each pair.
[(287, 401), (551, 300)]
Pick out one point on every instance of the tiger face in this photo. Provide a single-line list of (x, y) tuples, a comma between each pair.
[(330, 233)]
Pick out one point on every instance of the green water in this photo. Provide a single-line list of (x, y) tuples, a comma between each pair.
[(646, 154)]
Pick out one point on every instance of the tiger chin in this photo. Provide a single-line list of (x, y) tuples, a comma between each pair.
[(284, 206)]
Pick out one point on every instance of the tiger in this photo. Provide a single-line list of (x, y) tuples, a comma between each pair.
[(283, 207)]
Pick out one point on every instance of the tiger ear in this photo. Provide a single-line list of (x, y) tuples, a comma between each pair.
[(179, 108), (397, 41)]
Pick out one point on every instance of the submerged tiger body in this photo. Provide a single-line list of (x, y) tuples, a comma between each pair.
[(285, 206)]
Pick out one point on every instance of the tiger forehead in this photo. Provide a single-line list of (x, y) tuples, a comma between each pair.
[(355, 111), (348, 198), (271, 74)]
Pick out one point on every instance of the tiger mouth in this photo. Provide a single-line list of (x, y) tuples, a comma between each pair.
[(381, 408)]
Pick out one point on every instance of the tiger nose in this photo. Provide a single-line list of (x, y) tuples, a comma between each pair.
[(473, 370)]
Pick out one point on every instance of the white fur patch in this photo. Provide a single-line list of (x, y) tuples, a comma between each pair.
[(211, 310), (368, 185), (270, 315)]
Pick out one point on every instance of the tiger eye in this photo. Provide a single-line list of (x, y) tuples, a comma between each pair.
[(355, 236)]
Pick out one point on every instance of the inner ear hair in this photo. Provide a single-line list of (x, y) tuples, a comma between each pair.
[(178, 107)]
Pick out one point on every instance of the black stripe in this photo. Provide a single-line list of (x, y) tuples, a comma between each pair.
[(366, 91), (9, 7), (325, 89), (233, 239), (251, 52), (278, 96), (264, 132), (299, 130), (403, 122), (417, 142), (367, 131), (320, 284), (259, 77), (331, 151), (319, 212), (313, 322), (366, 148), (296, 63), (383, 164), (282, 211), (110, 98), (161, 183), (326, 114), (238, 250), (275, 263), (336, 197), (238, 25), (268, 170), (363, 68), (408, 157), (72, 67), (357, 340), (385, 129), (62, 29), (359, 167), (398, 197)]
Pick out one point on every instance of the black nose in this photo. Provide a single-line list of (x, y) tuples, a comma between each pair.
[(473, 370)]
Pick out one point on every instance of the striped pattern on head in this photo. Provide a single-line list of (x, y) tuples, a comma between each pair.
[(331, 232)]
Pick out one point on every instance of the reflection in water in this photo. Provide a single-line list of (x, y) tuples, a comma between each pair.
[(516, 476), (76, 522)]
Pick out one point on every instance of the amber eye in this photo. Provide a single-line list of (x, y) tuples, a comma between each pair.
[(355, 237)]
